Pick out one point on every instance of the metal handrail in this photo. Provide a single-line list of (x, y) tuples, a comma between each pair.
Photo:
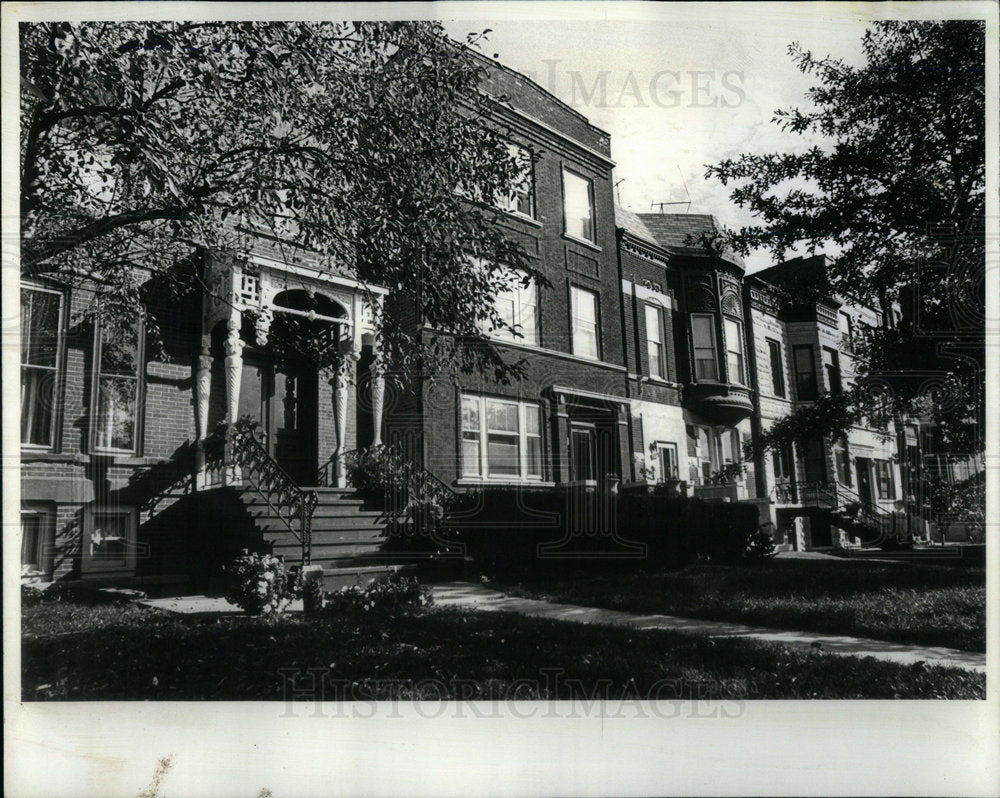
[(293, 505)]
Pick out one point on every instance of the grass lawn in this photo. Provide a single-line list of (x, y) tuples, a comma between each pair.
[(936, 605), (111, 651)]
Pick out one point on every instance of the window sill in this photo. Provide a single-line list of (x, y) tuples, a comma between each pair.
[(582, 242), (531, 221)]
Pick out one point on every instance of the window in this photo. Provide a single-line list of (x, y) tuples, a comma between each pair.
[(846, 326), (41, 325), (518, 307), (110, 543), (805, 373), (814, 460), (118, 361), (578, 206), (734, 352), (777, 368), (654, 341), (831, 363), (501, 438), (884, 479), (521, 198), (841, 457), (729, 441), (667, 455), (706, 366), (586, 339), (36, 534), (781, 459)]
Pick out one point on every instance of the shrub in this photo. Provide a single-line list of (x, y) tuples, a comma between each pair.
[(258, 584), (760, 544), (551, 529), (386, 596)]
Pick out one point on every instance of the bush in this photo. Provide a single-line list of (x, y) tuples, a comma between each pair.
[(258, 584), (387, 596), (558, 528), (760, 544)]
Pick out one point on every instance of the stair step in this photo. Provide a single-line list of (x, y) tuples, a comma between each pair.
[(339, 509)]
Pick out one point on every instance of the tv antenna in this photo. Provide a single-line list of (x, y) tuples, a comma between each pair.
[(662, 205), (618, 191)]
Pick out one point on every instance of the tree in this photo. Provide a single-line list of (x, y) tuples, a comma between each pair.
[(366, 145), (890, 181)]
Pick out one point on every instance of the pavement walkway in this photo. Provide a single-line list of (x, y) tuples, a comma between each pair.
[(483, 598), (486, 599)]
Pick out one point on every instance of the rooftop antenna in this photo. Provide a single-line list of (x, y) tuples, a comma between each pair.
[(662, 205), (618, 191)]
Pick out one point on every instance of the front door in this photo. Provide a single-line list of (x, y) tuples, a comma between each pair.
[(864, 479), (583, 452), (292, 421)]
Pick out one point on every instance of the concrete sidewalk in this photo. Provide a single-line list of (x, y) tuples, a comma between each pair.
[(480, 597)]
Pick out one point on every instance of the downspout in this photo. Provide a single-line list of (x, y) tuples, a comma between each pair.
[(630, 467), (755, 417)]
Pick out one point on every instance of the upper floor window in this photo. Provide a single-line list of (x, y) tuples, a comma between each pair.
[(831, 363), (117, 366), (501, 438), (777, 368), (734, 352), (518, 307), (586, 334), (521, 197), (846, 326), (41, 326), (805, 372), (706, 363), (655, 335), (578, 206)]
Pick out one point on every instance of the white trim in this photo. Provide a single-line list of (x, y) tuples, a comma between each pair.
[(621, 400), (314, 273), (583, 242), (552, 131)]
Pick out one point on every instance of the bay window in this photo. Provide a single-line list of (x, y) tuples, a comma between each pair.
[(805, 372), (586, 336), (41, 327), (734, 352), (501, 439), (117, 366), (706, 366)]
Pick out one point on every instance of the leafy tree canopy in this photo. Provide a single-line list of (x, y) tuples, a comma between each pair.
[(366, 145), (890, 182)]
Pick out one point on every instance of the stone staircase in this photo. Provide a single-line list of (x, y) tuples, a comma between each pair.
[(347, 536)]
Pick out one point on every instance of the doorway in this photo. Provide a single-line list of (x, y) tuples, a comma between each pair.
[(864, 469)]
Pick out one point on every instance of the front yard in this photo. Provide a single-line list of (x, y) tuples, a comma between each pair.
[(78, 650), (905, 602)]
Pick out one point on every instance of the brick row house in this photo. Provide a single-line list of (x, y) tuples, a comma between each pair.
[(649, 358)]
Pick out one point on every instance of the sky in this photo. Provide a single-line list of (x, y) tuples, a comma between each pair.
[(676, 86)]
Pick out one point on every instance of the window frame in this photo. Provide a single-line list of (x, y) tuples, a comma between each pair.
[(671, 447), (727, 323), (574, 291), (44, 513), (140, 370), (832, 371), (813, 394), (58, 370), (660, 324), (88, 563), (883, 472), (592, 239), (779, 387), (509, 203), (483, 472), (517, 294), (714, 347)]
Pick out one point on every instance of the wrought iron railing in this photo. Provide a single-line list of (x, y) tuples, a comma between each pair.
[(838, 499), (293, 505)]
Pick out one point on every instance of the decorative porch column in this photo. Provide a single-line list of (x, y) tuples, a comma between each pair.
[(378, 400), (340, 385), (234, 375), (202, 389)]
